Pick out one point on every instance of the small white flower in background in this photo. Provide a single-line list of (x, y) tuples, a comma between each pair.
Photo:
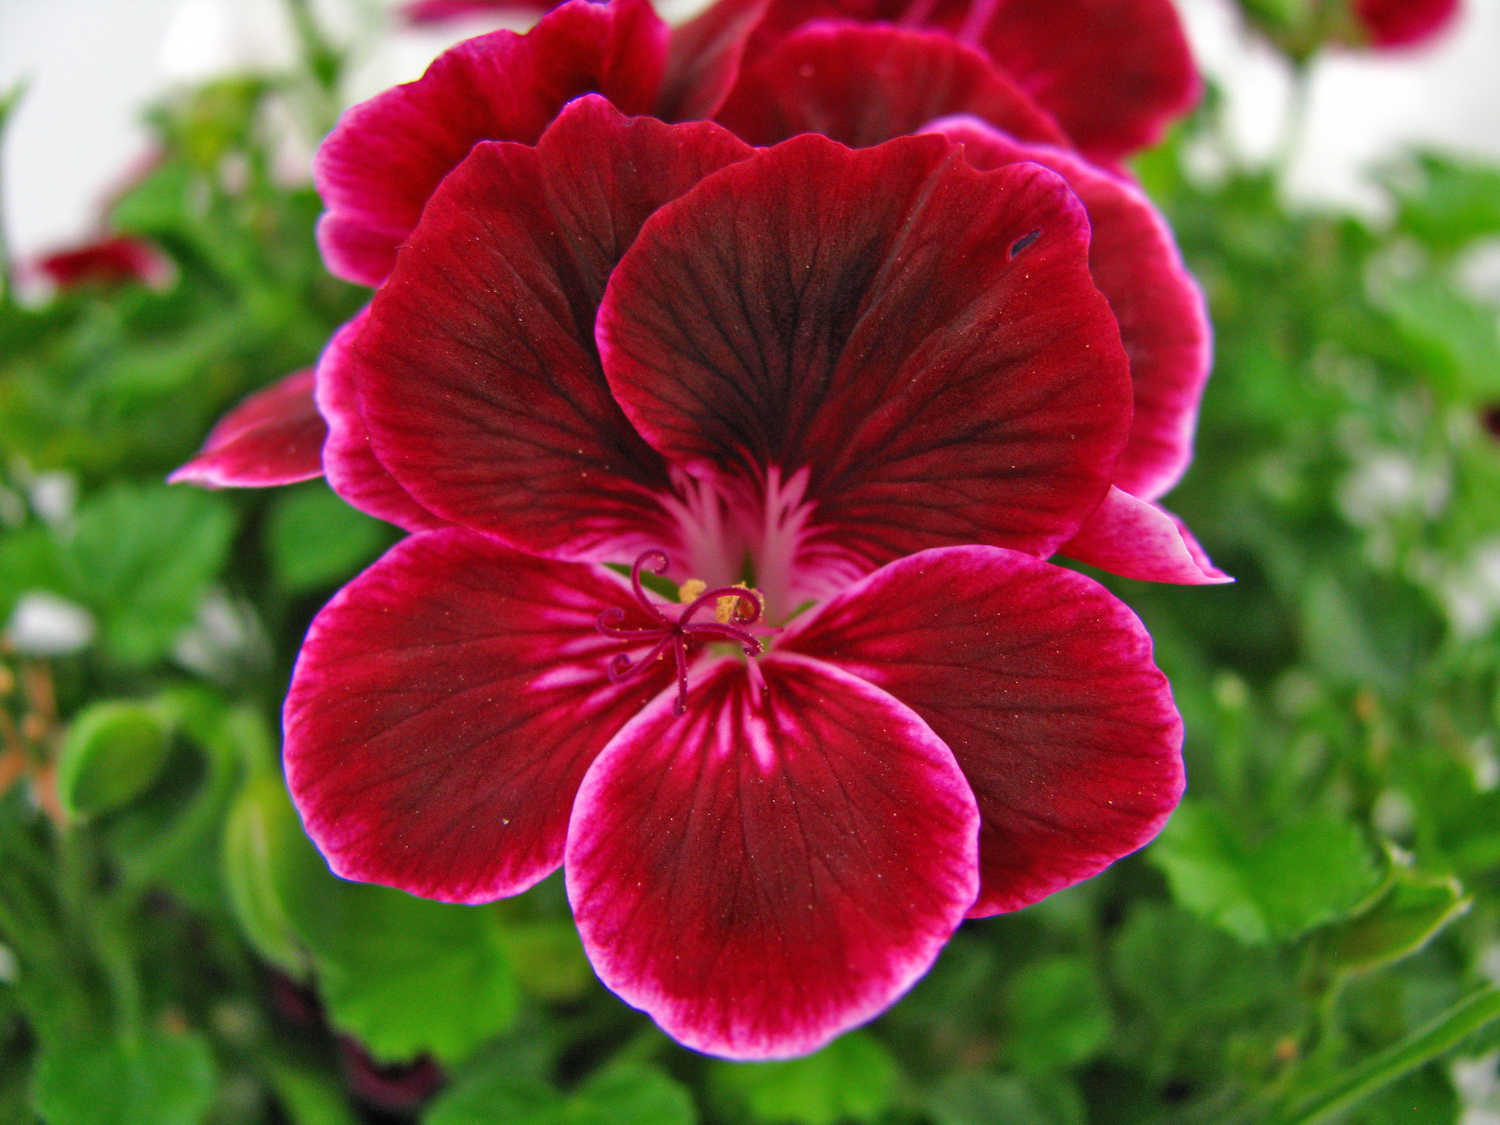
[(1473, 593), (54, 496), (43, 624)]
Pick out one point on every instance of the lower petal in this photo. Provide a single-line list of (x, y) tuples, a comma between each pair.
[(444, 708), (776, 866), (274, 437), (1133, 538), (1042, 684)]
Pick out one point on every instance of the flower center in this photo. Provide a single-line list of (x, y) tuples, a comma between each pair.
[(737, 614)]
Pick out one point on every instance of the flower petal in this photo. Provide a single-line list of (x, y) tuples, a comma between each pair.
[(704, 59), (922, 337), (1135, 538), (444, 708), (350, 464), (1114, 73), (386, 156), (477, 372), (865, 84), (274, 437), (761, 875), (1403, 23), (1162, 314), (1042, 683)]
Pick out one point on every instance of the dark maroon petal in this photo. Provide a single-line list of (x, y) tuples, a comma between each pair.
[(762, 874), (444, 708), (382, 162), (1161, 311), (923, 339), (109, 261), (349, 463), (477, 372), (1114, 73), (421, 13), (274, 437), (1403, 23), (1137, 539), (1043, 685), (865, 84), (704, 59)]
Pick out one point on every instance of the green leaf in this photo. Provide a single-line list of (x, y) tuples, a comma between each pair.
[(1303, 874), (112, 753), (549, 959), (404, 975), (265, 856), (156, 1079), (1446, 203), (972, 1098), (854, 1077), (1059, 1014), (28, 561), (1409, 915), (623, 1094), (316, 540), (142, 556)]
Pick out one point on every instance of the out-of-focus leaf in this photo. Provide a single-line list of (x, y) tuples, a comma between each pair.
[(854, 1077), (623, 1094), (1413, 911), (1059, 1014), (1454, 341), (112, 752), (142, 557), (549, 959), (1444, 202), (317, 540), (154, 1079), (1304, 873), (28, 561), (265, 858), (975, 1098)]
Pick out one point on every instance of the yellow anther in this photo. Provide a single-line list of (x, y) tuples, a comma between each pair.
[(691, 590)]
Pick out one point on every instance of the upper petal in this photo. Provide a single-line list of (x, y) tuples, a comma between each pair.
[(1161, 311), (923, 338), (1114, 73), (766, 872), (443, 710), (866, 84), (477, 373), (386, 156), (350, 464), (1404, 23), (1042, 684), (704, 59), (274, 437)]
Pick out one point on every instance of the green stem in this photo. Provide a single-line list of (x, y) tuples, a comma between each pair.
[(8, 101), (1294, 126), (1422, 1046)]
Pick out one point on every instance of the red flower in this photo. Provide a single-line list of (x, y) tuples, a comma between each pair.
[(111, 260), (274, 437), (420, 13), (1388, 24), (1113, 73), (378, 167), (880, 381)]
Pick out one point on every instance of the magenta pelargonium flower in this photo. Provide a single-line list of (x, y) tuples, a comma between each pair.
[(846, 401)]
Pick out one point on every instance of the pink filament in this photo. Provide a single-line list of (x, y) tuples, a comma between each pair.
[(676, 634)]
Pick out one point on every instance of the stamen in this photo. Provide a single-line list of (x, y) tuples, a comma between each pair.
[(737, 613)]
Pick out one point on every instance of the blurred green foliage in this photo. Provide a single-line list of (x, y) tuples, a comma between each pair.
[(1309, 940)]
